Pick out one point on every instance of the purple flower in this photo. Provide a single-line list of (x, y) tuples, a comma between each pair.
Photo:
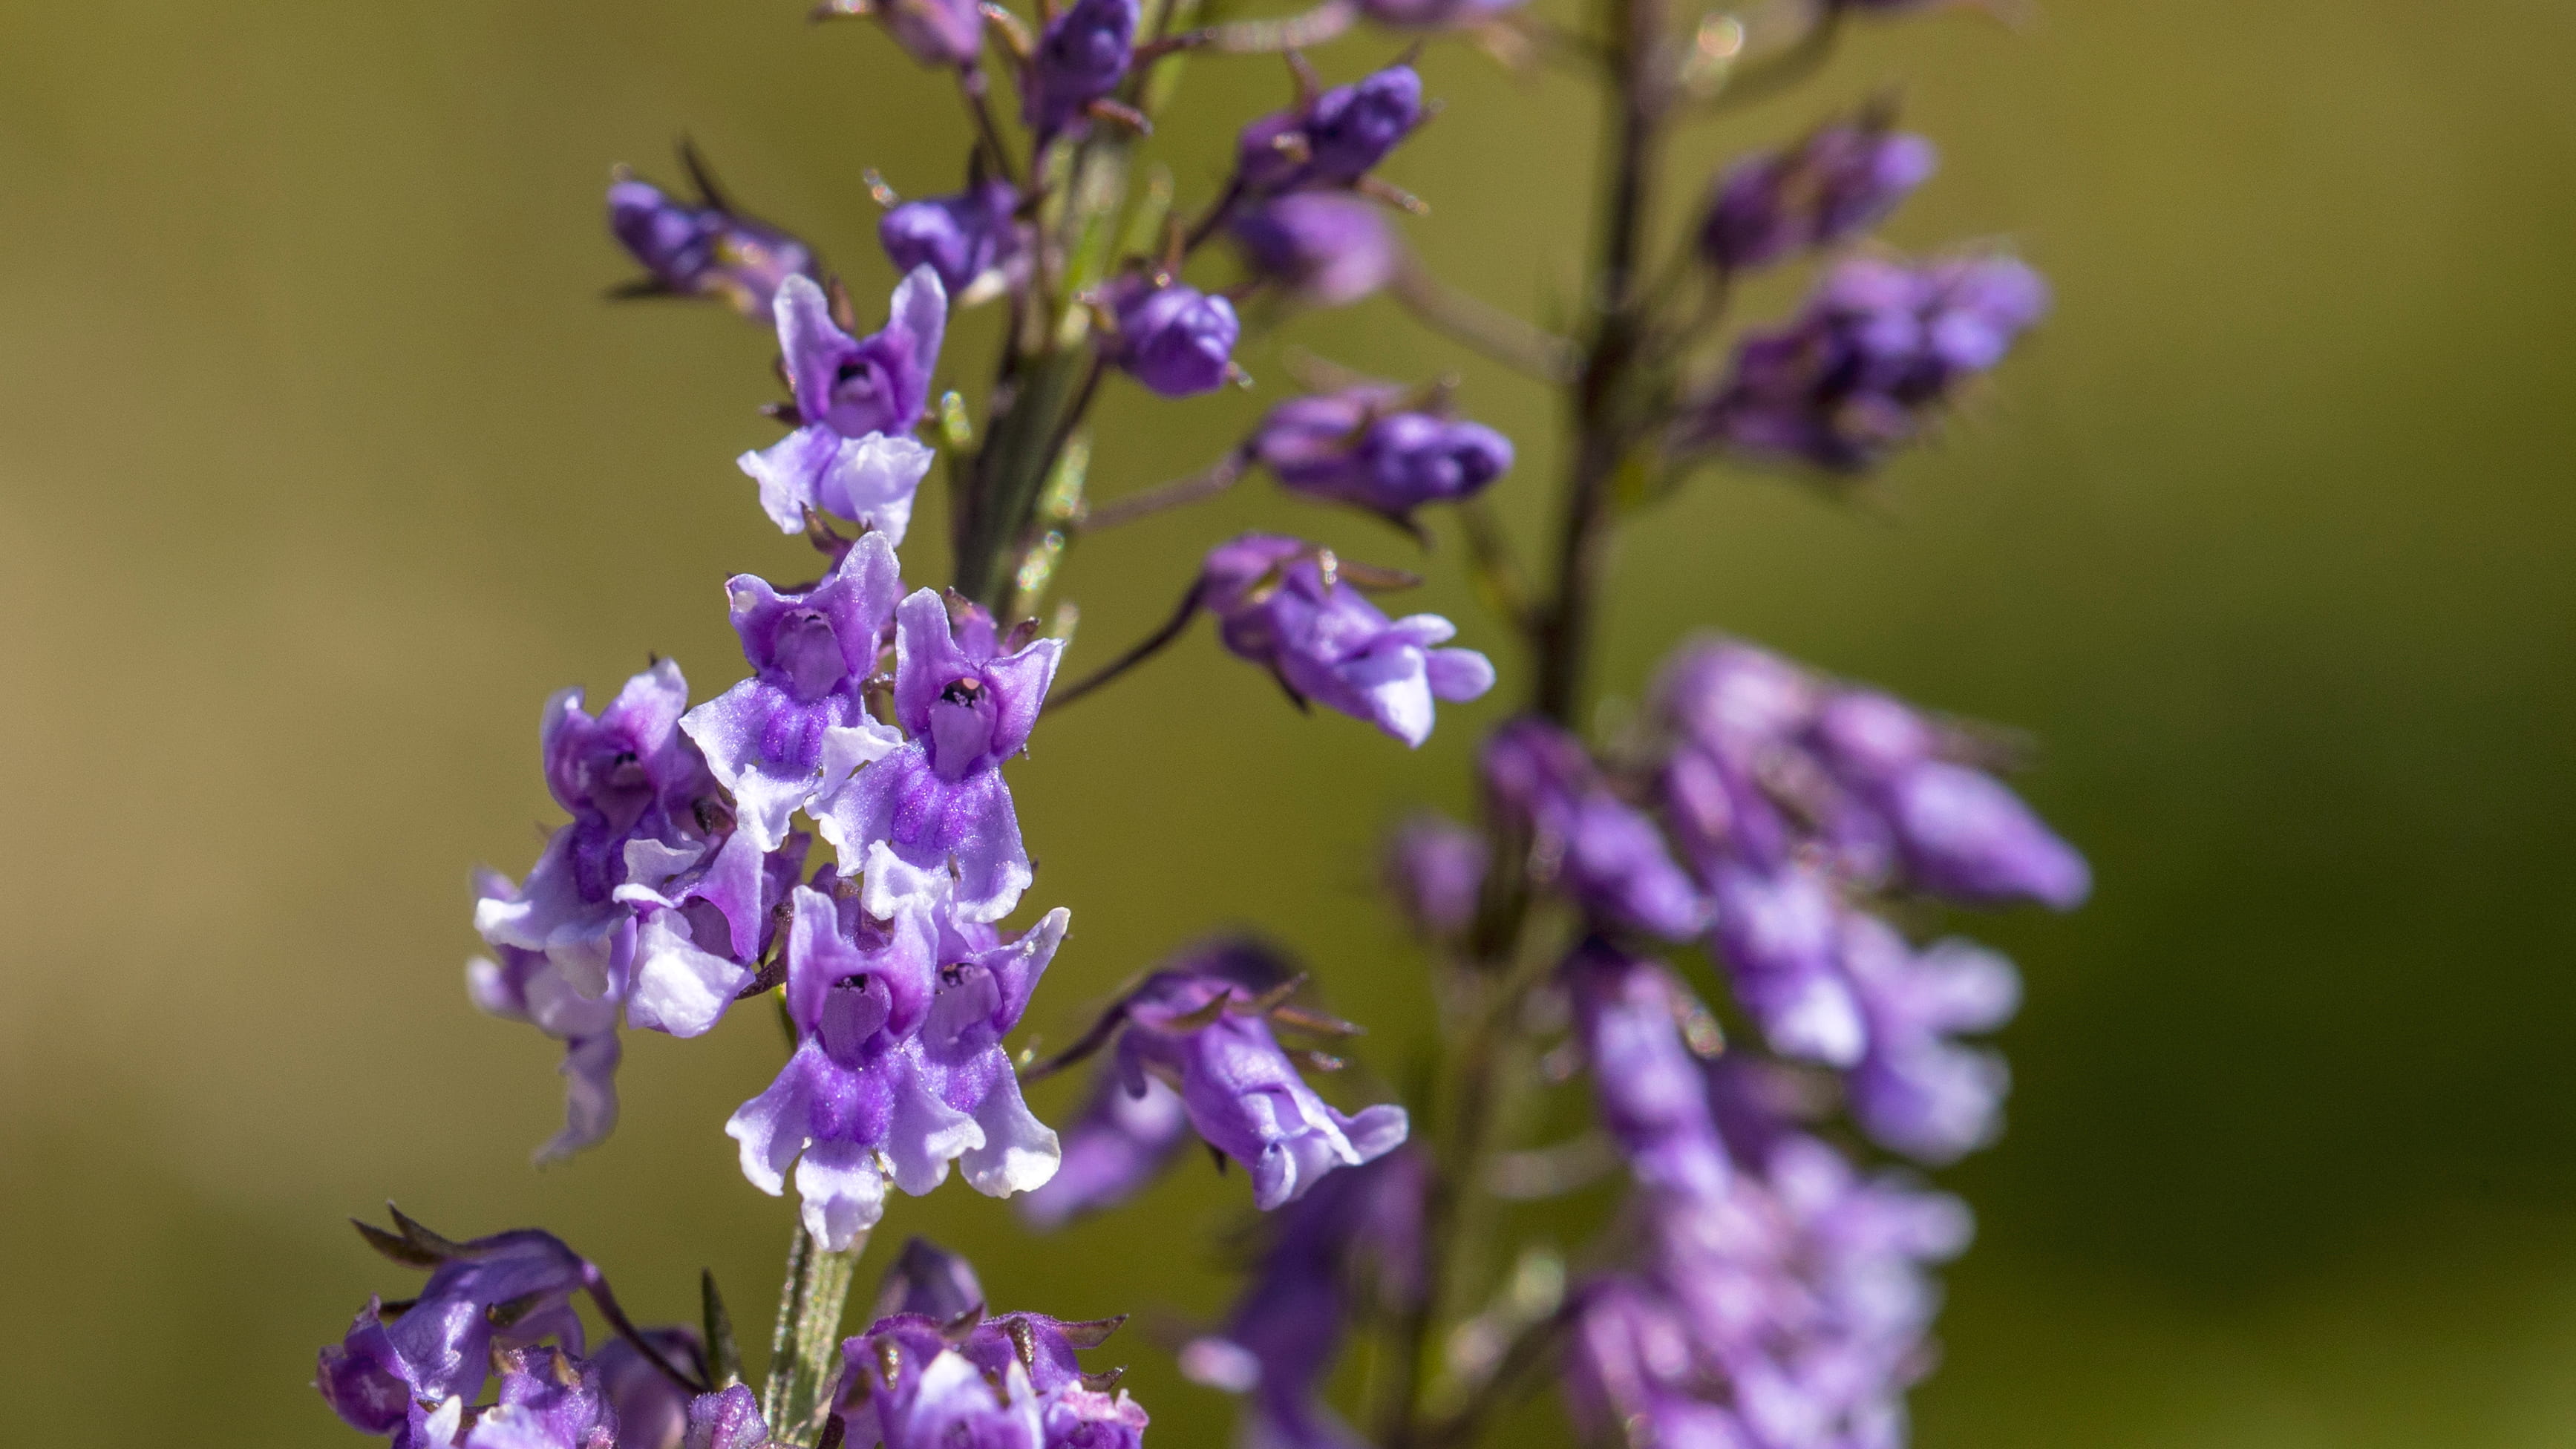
[(1917, 1091), (960, 237), (703, 250), (899, 1068), (1879, 347), (1243, 1095), (970, 1381), (1603, 853), (510, 1290), (1838, 182), (1648, 1084), (966, 705), (1122, 1141), (652, 1411), (1283, 605), (1359, 1226), (727, 1419), (940, 33), (1779, 934), (1363, 447), (1965, 836), (1631, 1370), (928, 1280), (1081, 57), (1170, 336), (1435, 868), (1327, 250), (547, 1401), (627, 777), (857, 400), (524, 986), (1332, 140), (777, 738)]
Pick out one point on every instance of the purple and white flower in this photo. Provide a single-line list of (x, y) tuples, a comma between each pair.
[(852, 456)]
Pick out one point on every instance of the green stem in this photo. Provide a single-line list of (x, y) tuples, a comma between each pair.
[(805, 1346)]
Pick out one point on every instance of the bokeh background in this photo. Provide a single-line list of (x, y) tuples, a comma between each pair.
[(322, 462)]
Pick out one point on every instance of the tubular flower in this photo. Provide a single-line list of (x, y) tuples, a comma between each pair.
[(1283, 604), (776, 738), (1365, 448), (1327, 250), (965, 702), (703, 250), (1175, 339), (1120, 1143), (1435, 869), (1880, 347), (960, 237), (1917, 1091), (1603, 853), (857, 399), (1081, 56), (1838, 182), (1332, 140)]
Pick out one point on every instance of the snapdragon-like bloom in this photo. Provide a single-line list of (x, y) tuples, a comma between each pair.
[(959, 237), (1364, 447), (627, 777), (1121, 1142), (857, 399), (966, 702), (1283, 605), (510, 1290), (1880, 346), (1081, 56), (727, 1419), (1603, 853), (1244, 1097), (1838, 182), (971, 1380), (1435, 869), (523, 985), (1332, 140), (1361, 1226), (1327, 249), (704, 250), (777, 737), (547, 1401), (900, 1004), (1175, 339), (1918, 1091)]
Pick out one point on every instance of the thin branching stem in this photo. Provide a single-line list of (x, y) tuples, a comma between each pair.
[(1144, 649), (1522, 346), (1207, 483)]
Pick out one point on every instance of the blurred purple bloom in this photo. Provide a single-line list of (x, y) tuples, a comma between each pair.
[(899, 1004), (1326, 249), (798, 723), (1631, 1373), (1121, 1142), (1917, 1091), (1779, 934), (857, 400), (966, 704), (1280, 607), (652, 1411), (1175, 339), (1646, 1081), (1838, 182), (1363, 447), (939, 33), (1603, 853), (1081, 57), (1360, 1226), (1879, 347), (704, 250), (1435, 868), (974, 1381), (959, 237), (1333, 140)]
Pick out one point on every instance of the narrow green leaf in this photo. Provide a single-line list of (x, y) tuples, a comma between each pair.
[(724, 1356)]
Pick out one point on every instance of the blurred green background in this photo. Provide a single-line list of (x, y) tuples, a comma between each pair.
[(322, 462)]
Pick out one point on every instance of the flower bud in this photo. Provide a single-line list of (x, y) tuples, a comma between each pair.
[(1333, 140), (1833, 185), (959, 237), (1326, 250), (1362, 447), (704, 250), (1173, 338), (1081, 57)]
